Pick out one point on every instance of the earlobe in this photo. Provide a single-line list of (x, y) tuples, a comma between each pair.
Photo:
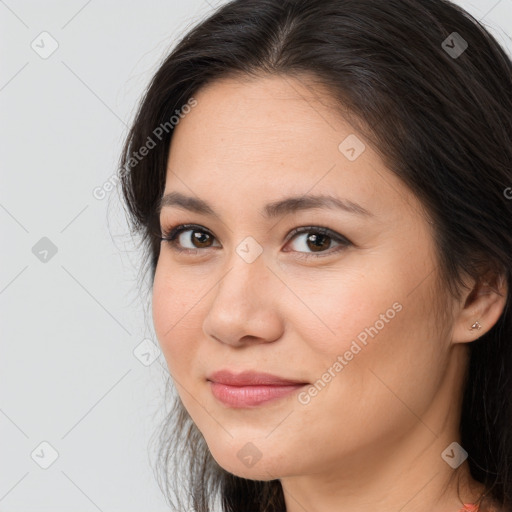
[(480, 310)]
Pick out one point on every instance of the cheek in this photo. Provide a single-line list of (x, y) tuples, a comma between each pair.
[(335, 308), (374, 295), (365, 325), (175, 319)]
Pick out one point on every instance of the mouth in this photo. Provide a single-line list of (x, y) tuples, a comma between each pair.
[(249, 388)]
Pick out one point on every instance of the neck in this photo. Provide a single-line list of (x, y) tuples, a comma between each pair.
[(423, 485)]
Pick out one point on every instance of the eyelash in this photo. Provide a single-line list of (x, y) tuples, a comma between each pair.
[(170, 235)]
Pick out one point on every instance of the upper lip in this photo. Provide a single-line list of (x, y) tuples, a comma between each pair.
[(250, 378)]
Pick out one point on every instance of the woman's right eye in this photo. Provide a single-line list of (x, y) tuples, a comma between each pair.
[(195, 236)]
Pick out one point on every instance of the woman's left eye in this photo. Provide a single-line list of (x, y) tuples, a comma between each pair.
[(318, 240), (312, 238)]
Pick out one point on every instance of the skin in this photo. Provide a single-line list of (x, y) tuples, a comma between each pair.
[(372, 438)]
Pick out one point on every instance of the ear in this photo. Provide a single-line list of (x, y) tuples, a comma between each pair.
[(480, 308)]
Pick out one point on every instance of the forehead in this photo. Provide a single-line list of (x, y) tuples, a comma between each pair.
[(261, 111), (274, 136)]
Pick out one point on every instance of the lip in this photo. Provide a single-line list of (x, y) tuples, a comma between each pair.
[(249, 388), (251, 378)]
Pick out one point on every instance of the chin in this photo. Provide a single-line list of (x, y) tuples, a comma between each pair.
[(248, 462), (257, 472)]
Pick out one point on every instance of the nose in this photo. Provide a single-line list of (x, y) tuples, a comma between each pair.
[(245, 305)]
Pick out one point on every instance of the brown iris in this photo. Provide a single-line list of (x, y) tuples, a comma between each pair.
[(202, 238), (319, 242)]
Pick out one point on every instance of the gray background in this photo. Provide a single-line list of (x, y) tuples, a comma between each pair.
[(79, 366)]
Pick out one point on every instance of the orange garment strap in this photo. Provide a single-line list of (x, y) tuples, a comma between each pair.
[(469, 508)]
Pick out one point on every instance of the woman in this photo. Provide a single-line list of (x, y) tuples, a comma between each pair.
[(323, 191)]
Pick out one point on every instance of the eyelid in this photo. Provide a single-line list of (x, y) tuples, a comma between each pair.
[(319, 229), (169, 235)]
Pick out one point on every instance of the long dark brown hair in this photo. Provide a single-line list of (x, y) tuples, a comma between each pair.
[(435, 105)]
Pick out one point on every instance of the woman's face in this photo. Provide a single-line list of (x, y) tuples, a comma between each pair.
[(350, 312)]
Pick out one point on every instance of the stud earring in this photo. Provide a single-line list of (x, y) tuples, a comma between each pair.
[(476, 326)]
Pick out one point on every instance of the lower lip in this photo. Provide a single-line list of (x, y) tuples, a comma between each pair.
[(247, 396)]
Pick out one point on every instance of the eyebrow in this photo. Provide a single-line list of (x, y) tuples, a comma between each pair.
[(271, 210)]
